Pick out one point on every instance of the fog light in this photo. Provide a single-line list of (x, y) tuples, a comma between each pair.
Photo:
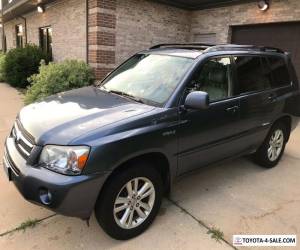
[(45, 196)]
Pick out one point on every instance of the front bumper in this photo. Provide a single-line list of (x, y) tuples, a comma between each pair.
[(70, 195)]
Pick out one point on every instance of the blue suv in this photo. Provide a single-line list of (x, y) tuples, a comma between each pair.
[(117, 147)]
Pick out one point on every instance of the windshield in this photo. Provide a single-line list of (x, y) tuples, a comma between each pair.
[(148, 78)]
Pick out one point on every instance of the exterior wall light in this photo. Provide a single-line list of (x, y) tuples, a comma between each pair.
[(40, 9), (263, 5)]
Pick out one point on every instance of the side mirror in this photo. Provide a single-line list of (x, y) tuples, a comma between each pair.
[(197, 100)]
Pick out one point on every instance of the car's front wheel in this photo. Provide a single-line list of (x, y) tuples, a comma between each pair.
[(272, 149), (130, 201)]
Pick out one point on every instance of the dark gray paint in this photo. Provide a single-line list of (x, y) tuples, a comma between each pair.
[(197, 100)]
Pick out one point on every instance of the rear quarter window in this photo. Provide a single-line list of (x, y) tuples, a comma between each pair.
[(279, 72), (251, 75)]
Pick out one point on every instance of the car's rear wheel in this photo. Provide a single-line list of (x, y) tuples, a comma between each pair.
[(130, 201), (272, 149)]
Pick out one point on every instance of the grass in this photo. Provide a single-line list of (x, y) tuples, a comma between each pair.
[(30, 223), (216, 234)]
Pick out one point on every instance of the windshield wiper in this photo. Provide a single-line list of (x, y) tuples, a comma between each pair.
[(102, 87), (124, 94)]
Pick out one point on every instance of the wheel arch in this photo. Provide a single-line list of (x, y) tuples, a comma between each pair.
[(287, 121), (158, 160)]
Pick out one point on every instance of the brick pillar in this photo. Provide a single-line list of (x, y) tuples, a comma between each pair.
[(102, 36)]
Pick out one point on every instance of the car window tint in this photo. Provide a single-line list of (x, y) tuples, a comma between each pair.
[(266, 69), (214, 77), (279, 71), (251, 74)]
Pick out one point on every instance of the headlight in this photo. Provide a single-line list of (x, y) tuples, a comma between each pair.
[(68, 160)]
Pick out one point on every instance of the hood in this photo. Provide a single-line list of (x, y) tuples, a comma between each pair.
[(63, 117)]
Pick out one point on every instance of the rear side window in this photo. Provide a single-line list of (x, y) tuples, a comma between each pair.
[(251, 74), (279, 71)]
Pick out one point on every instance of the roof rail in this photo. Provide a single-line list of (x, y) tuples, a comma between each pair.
[(183, 45), (229, 47), (207, 47)]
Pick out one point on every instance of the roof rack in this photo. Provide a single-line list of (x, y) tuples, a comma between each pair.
[(229, 47), (183, 45), (207, 47)]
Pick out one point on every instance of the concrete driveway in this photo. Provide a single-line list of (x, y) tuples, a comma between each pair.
[(235, 197)]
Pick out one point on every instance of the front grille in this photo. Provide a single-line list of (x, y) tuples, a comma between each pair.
[(23, 140)]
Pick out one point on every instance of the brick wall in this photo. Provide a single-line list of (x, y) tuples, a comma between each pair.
[(1, 39), (102, 36), (219, 20), (68, 21), (141, 24), (119, 28), (9, 29)]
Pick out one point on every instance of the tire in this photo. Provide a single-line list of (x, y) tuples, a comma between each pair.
[(116, 187), (263, 155)]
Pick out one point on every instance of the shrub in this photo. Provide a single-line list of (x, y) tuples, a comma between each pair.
[(21, 63), (58, 77), (2, 63)]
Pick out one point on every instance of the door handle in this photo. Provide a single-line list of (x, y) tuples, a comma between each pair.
[(233, 109), (272, 97)]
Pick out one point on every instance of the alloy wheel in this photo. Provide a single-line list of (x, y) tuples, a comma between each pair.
[(275, 145), (134, 203)]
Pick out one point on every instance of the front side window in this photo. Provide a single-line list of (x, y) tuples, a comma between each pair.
[(215, 78), (251, 74), (151, 78), (279, 71), (46, 41), (19, 36)]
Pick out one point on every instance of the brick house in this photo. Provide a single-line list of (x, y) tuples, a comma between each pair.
[(105, 32)]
